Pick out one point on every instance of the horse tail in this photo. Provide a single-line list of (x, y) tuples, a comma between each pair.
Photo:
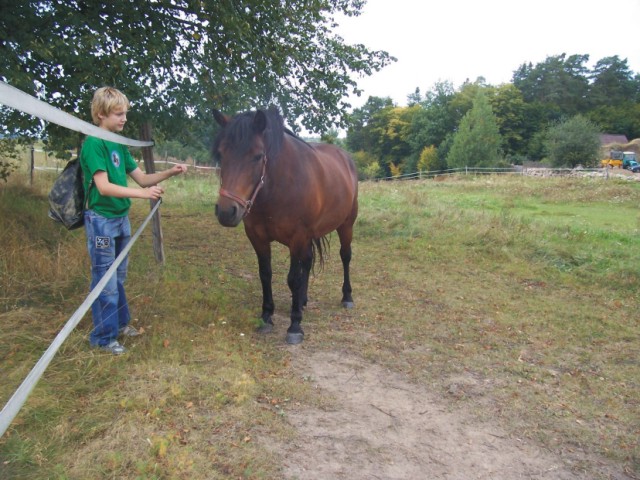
[(320, 251)]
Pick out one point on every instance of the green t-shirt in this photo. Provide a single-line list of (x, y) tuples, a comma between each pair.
[(115, 159)]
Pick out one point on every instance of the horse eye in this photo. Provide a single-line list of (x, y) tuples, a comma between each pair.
[(258, 157)]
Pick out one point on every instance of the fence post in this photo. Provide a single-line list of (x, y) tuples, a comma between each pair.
[(149, 165), (33, 164)]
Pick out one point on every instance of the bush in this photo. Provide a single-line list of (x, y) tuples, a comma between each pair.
[(573, 142), (429, 159), (372, 171), (367, 165), (8, 157)]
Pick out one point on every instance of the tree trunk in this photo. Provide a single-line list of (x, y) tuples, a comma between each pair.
[(149, 166)]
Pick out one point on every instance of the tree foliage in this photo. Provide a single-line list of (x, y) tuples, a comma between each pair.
[(477, 141), (9, 153), (573, 142), (510, 111), (429, 160), (560, 83), (613, 83), (178, 59)]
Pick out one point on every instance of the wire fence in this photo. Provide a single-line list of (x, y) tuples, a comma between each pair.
[(603, 172)]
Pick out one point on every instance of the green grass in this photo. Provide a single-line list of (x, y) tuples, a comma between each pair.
[(527, 287)]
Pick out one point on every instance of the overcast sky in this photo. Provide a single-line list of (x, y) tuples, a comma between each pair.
[(457, 40)]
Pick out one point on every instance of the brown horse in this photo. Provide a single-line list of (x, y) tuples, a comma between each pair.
[(288, 191)]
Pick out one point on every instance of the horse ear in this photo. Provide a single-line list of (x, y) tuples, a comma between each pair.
[(220, 118), (259, 122)]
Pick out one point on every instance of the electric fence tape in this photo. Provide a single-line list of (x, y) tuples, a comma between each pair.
[(18, 399), (14, 98)]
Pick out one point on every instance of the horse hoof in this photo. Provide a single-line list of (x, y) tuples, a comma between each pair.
[(295, 338), (348, 305), (265, 328)]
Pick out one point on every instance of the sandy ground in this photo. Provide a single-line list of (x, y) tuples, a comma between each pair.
[(386, 428)]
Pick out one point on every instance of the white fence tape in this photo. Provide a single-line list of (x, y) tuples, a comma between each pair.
[(12, 97), (17, 400)]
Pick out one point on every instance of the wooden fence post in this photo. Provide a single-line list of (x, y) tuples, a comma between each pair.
[(32, 165), (149, 165)]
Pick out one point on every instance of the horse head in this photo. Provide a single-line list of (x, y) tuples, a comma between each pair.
[(241, 151)]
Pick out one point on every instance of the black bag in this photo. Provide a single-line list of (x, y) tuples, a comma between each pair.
[(66, 198)]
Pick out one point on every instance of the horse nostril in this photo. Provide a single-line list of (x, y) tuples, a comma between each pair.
[(216, 210), (234, 211)]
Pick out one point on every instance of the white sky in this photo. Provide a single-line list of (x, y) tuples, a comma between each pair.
[(457, 40)]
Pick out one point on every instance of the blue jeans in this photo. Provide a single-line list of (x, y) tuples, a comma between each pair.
[(106, 238)]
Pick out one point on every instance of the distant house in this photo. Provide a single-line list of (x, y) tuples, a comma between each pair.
[(609, 138)]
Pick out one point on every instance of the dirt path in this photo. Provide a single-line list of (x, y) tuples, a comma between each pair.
[(386, 428)]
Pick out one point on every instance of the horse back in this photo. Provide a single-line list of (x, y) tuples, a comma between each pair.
[(312, 191), (334, 179)]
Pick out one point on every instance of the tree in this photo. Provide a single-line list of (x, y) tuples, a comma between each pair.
[(623, 119), (613, 83), (435, 120), (178, 59), (509, 108), (429, 160), (359, 130), (614, 96), (573, 142), (560, 83), (477, 141), (390, 128), (414, 98)]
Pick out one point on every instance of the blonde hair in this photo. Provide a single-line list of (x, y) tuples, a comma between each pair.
[(105, 100)]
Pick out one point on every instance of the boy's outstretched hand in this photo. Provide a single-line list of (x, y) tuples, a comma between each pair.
[(178, 169)]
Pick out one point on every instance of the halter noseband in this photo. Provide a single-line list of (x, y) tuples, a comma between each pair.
[(247, 204)]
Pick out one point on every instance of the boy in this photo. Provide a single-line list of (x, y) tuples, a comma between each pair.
[(107, 165)]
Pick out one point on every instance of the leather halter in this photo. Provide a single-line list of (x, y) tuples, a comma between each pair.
[(247, 204)]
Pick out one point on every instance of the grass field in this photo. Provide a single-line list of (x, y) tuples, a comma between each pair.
[(528, 288)]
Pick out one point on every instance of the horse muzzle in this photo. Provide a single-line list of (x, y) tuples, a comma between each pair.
[(230, 214)]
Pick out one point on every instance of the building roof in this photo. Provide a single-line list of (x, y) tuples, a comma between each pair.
[(607, 138)]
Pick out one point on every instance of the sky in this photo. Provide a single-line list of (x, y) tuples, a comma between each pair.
[(456, 40)]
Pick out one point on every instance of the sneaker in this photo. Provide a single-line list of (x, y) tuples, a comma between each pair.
[(114, 347), (128, 331)]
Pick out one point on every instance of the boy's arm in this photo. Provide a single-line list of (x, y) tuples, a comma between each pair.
[(108, 189), (149, 179)]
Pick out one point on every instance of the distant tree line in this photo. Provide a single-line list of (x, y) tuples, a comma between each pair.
[(552, 111), (178, 60)]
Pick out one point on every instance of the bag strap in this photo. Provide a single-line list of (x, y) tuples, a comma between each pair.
[(91, 183), (86, 197)]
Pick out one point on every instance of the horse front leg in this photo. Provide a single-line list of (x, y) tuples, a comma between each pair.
[(298, 281), (268, 307)]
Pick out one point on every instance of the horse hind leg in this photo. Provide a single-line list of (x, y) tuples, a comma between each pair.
[(298, 281), (345, 233)]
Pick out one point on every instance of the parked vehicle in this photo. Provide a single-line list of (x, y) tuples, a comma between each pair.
[(618, 159)]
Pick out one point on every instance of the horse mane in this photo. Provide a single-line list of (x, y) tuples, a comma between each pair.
[(239, 132)]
